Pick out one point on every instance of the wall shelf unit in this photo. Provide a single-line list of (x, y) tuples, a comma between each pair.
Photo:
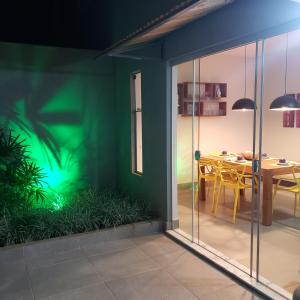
[(208, 99), (291, 119)]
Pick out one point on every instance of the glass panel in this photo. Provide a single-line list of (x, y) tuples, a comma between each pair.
[(184, 150), (221, 136), (280, 229), (267, 216), (225, 136)]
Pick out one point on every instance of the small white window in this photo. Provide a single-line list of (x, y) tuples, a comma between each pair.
[(136, 123)]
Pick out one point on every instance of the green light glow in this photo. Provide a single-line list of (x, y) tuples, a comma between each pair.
[(54, 177), (55, 135), (179, 165)]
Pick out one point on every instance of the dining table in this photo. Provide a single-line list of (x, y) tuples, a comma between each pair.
[(270, 167)]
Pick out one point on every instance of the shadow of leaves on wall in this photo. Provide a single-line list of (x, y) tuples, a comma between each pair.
[(34, 120)]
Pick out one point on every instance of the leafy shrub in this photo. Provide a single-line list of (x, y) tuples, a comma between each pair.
[(86, 211), (20, 179), (21, 183)]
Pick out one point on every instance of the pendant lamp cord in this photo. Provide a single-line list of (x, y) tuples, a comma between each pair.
[(245, 83), (286, 61)]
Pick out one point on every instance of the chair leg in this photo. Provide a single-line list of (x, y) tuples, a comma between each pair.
[(208, 190), (236, 199), (214, 196), (295, 204), (298, 201), (218, 198), (224, 193), (239, 200), (196, 196)]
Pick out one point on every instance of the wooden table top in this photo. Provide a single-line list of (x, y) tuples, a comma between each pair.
[(269, 165)]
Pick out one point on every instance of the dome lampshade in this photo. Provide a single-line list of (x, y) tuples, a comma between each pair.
[(285, 103), (243, 104)]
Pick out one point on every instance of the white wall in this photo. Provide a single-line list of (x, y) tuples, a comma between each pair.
[(232, 132), (277, 140)]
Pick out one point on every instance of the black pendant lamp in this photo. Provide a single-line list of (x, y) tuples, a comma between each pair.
[(244, 104), (285, 102)]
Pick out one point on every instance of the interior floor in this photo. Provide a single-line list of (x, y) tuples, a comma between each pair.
[(279, 243)]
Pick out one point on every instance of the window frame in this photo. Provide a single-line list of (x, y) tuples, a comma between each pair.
[(134, 125)]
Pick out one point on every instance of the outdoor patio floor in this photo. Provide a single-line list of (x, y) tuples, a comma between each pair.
[(146, 267), (279, 243)]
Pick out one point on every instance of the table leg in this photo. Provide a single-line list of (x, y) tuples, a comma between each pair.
[(242, 192), (267, 199), (202, 193)]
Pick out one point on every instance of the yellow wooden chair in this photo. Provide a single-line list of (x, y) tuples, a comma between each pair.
[(234, 179), (288, 184), (208, 171)]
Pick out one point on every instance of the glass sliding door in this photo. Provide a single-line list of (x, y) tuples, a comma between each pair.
[(280, 215), (184, 78), (237, 159), (225, 139), (208, 129)]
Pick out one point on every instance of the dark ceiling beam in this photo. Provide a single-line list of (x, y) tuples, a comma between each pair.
[(151, 51), (154, 30)]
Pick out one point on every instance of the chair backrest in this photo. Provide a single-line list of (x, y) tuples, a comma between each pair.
[(296, 174), (232, 173), (207, 165), (241, 169), (227, 173)]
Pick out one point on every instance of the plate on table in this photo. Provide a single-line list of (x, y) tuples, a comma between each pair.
[(223, 154), (227, 154), (283, 164), (294, 163), (240, 160)]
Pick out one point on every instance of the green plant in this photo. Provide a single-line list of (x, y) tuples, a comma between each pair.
[(21, 181), (88, 210)]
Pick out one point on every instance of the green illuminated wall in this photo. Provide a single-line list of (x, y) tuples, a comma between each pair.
[(152, 185), (64, 110)]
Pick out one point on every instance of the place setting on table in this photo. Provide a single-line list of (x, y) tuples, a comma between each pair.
[(283, 162), (270, 168), (247, 157), (242, 157)]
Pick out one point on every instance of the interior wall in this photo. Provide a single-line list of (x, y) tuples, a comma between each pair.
[(152, 184), (279, 141), (63, 106), (232, 132)]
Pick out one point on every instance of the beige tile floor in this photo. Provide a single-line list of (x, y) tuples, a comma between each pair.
[(147, 267), (279, 243)]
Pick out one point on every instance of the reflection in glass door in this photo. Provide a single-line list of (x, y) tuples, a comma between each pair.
[(220, 137), (238, 167), (280, 216), (183, 78), (226, 142)]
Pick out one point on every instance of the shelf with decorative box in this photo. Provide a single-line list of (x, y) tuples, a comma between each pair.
[(208, 99)]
